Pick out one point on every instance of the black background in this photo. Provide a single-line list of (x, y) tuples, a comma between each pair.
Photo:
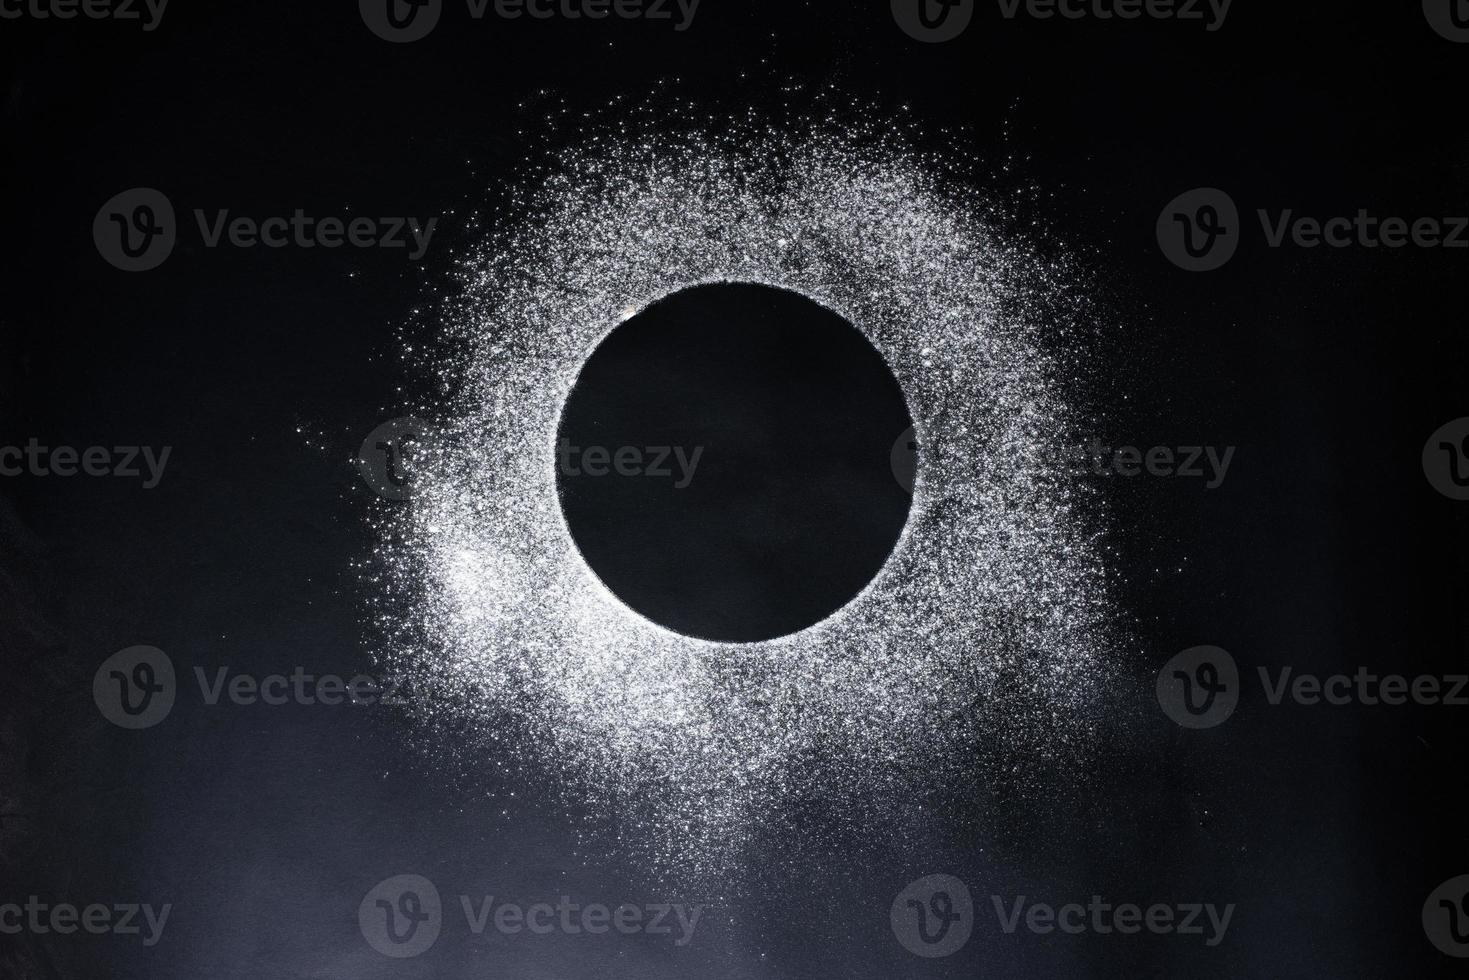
[(1326, 549)]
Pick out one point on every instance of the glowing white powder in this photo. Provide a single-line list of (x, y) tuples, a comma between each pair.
[(987, 624)]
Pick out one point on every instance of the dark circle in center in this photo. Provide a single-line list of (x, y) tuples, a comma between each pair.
[(725, 462)]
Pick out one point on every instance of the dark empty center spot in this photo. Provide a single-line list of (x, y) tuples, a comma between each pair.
[(726, 462)]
